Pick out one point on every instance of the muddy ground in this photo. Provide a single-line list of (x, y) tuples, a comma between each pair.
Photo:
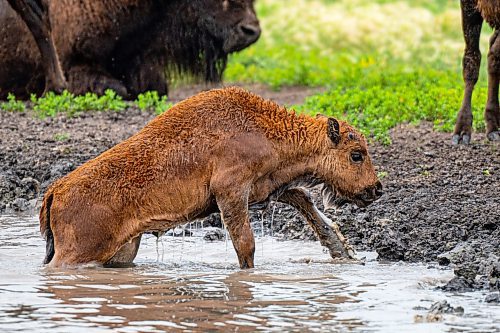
[(441, 202)]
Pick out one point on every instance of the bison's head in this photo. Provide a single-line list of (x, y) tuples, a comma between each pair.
[(346, 167), (232, 23)]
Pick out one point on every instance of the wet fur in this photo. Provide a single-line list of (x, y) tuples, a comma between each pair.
[(222, 150)]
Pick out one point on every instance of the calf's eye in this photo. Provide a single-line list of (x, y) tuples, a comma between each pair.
[(356, 157)]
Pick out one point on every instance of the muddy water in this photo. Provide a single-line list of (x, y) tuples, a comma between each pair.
[(187, 284)]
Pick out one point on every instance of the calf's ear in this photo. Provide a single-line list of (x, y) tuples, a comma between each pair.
[(334, 130)]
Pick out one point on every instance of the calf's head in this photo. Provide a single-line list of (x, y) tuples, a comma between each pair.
[(346, 167), (233, 23)]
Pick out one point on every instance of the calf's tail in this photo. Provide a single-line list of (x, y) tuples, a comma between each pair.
[(45, 228)]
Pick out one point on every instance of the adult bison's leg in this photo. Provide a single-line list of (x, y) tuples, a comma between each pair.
[(146, 77), (492, 112), (92, 78), (36, 16), (328, 232), (234, 212), (471, 26)]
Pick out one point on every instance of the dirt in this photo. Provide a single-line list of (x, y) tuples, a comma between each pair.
[(441, 202)]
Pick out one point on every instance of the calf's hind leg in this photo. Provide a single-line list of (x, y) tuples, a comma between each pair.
[(126, 254)]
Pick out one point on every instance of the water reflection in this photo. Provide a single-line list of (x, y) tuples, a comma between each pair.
[(190, 285), (132, 300)]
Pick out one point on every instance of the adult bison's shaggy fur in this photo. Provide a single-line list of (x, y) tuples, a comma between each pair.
[(126, 45), (219, 151), (473, 13)]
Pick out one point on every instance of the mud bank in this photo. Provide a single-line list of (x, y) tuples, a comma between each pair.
[(441, 203)]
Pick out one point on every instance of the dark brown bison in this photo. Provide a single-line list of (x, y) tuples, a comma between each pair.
[(473, 13), (219, 151), (126, 45), (35, 14)]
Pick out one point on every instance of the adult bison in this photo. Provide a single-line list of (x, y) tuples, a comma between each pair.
[(36, 16), (473, 13), (219, 151), (126, 45)]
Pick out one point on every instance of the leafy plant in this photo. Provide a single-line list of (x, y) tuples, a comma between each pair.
[(61, 136), (12, 105), (52, 104), (375, 101), (151, 100)]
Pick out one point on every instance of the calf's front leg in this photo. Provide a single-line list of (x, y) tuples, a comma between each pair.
[(234, 213), (328, 232)]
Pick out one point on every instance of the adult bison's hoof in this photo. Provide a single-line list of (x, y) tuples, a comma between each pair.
[(494, 136), (460, 138)]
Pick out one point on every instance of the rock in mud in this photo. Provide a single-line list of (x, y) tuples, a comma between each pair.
[(16, 193), (444, 307), (473, 268), (493, 298), (437, 310), (389, 244), (214, 235), (459, 284), (214, 220)]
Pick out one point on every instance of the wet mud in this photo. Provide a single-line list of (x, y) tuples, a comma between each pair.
[(441, 202)]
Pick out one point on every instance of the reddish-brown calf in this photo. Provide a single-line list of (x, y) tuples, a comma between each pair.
[(219, 151)]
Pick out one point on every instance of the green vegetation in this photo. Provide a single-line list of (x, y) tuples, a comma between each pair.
[(379, 63), (61, 137), (151, 101), (383, 62), (383, 99), (51, 104), (382, 174), (12, 105)]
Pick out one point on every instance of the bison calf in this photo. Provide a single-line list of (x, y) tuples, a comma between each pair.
[(219, 151)]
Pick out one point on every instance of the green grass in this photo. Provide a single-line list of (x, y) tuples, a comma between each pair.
[(12, 105), (383, 99), (383, 62), (151, 101), (52, 104), (61, 137)]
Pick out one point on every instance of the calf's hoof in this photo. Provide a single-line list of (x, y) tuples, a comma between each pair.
[(246, 263)]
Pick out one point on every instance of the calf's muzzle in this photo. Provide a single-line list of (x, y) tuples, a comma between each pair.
[(369, 195)]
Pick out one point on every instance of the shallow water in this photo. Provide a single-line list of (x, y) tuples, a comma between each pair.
[(188, 284)]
